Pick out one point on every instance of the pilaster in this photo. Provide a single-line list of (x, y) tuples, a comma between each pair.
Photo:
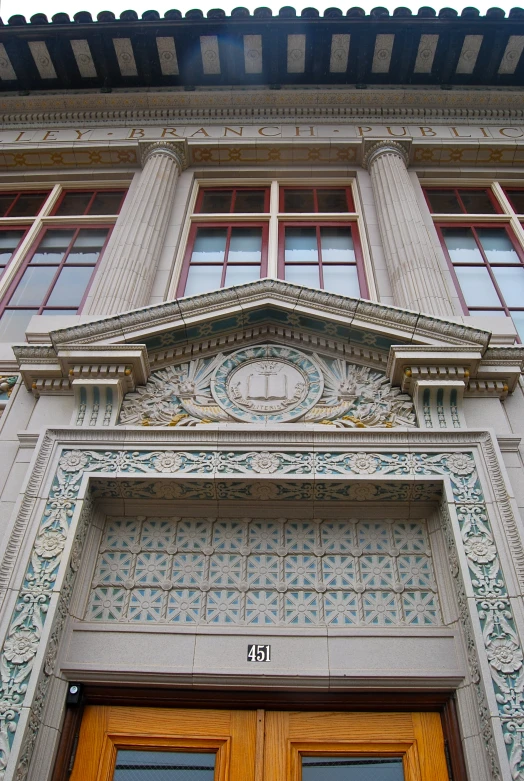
[(127, 271), (413, 264)]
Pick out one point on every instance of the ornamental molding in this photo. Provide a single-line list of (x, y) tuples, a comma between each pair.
[(28, 655), (296, 105), (265, 384), (372, 150), (175, 150)]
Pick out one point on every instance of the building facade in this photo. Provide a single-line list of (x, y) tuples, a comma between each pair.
[(261, 328)]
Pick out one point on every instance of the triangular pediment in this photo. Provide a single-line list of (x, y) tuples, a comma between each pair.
[(213, 315)]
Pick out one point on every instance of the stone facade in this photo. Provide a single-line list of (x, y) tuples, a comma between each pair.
[(339, 477)]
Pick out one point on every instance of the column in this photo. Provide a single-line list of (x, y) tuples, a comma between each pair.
[(411, 257), (124, 279)]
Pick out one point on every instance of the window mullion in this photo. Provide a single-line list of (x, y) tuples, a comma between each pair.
[(272, 248), (461, 202), (226, 255), (58, 269), (490, 270), (319, 253)]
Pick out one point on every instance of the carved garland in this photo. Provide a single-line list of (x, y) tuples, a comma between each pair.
[(27, 626)]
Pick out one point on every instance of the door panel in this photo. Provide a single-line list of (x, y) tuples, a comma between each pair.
[(262, 746), (229, 734)]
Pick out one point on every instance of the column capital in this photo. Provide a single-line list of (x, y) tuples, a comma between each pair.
[(375, 149), (176, 150)]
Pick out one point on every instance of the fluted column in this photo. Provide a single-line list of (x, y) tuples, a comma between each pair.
[(126, 273), (412, 259)]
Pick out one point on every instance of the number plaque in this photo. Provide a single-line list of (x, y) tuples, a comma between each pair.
[(259, 653)]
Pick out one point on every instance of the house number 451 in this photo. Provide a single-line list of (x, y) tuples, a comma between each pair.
[(259, 653)]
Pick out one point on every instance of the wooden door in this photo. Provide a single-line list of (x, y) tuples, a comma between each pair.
[(261, 745)]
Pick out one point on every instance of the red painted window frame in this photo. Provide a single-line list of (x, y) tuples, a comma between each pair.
[(507, 191), (4, 229), (264, 225), (455, 190), (473, 224), (234, 190), (347, 188), (352, 226), (93, 196), (17, 194), (4, 304)]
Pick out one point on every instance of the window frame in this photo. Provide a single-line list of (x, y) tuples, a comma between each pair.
[(348, 190), (455, 189), (318, 224), (228, 225), (95, 191), (6, 298), (5, 229), (473, 225), (17, 194), (202, 190)]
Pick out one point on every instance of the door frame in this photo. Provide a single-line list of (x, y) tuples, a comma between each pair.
[(442, 702)]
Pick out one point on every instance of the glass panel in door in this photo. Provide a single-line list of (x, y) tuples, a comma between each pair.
[(164, 766), (352, 769)]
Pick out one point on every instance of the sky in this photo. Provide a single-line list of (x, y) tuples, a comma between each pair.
[(50, 7)]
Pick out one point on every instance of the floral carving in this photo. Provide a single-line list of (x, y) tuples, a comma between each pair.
[(265, 463), (505, 656), (50, 544), (362, 464), (21, 646), (480, 550), (168, 462), (461, 464), (73, 461)]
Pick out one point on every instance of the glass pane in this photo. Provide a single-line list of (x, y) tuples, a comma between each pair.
[(201, 279), (28, 205), (32, 288), (477, 287), (164, 766), (516, 198), (477, 202), (511, 284), (107, 202), (216, 201), (5, 203), (87, 246), (239, 275), (209, 246), (518, 319), (303, 275), (74, 203), (52, 247), (332, 201), (13, 324), (462, 246), (299, 201), (245, 245), (352, 769), (70, 287), (337, 245), (342, 280), (443, 202), (301, 245), (9, 241), (249, 201), (497, 245)]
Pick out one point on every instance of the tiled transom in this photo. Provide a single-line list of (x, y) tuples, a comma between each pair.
[(264, 572)]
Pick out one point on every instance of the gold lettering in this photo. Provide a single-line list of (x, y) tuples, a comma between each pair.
[(137, 132), (80, 133), (19, 136), (364, 129), (51, 135), (170, 131), (457, 134), (232, 130), (311, 131), (502, 132), (396, 134), (200, 130), (270, 127), (483, 131), (427, 131)]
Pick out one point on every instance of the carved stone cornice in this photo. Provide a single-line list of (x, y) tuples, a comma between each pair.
[(372, 150), (176, 150)]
